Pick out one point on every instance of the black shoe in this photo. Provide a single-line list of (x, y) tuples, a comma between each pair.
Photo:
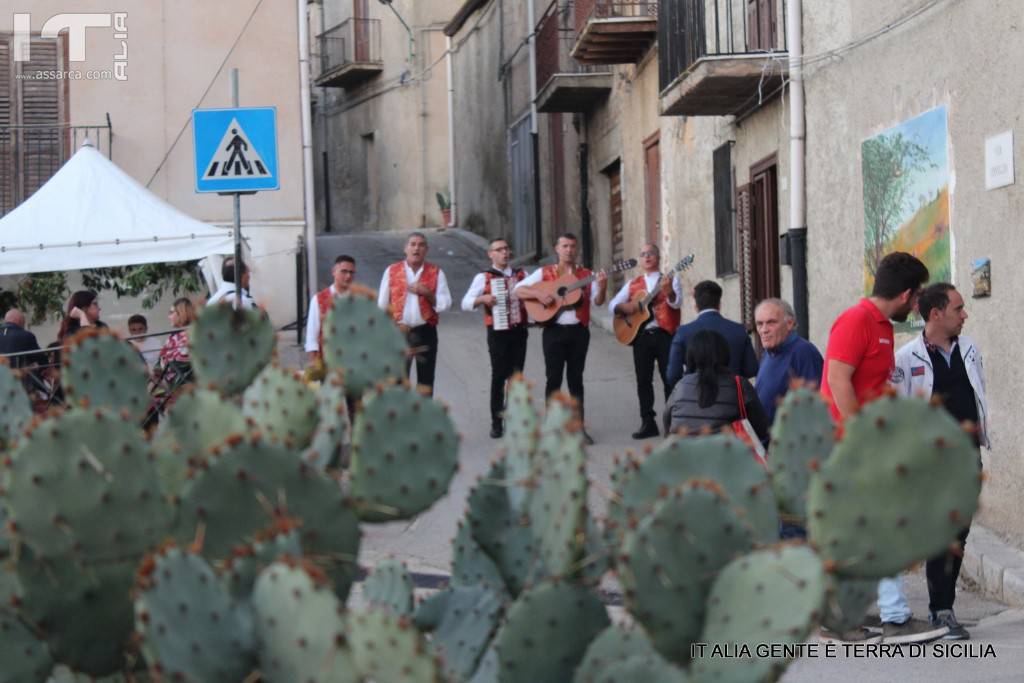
[(912, 631), (945, 617), (587, 439), (646, 431), (497, 430)]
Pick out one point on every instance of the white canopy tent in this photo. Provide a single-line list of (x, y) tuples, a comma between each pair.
[(91, 214)]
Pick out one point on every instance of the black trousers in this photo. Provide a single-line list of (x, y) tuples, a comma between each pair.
[(424, 337), (565, 350), (507, 349), (942, 572), (652, 346)]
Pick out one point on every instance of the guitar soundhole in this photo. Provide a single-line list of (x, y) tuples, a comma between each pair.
[(561, 292)]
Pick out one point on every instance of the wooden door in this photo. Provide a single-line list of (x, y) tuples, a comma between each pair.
[(764, 232), (361, 30), (652, 188)]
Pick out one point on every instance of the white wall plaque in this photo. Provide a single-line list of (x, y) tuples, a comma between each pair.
[(999, 160)]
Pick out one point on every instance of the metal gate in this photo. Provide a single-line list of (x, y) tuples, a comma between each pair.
[(522, 171)]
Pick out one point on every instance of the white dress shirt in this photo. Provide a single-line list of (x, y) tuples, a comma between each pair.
[(568, 316), (650, 281), (313, 322), (411, 314), (476, 288)]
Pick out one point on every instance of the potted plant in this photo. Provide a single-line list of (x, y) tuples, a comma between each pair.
[(445, 204)]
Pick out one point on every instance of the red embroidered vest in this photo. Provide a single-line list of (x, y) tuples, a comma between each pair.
[(518, 275), (399, 288), (668, 318), (550, 273)]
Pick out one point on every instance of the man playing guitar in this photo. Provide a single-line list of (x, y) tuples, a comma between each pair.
[(654, 341), (507, 347), (567, 338)]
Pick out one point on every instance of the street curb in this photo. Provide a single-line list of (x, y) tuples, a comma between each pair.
[(995, 566)]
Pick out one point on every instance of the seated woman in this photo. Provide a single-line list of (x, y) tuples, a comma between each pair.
[(83, 310), (175, 349), (706, 396)]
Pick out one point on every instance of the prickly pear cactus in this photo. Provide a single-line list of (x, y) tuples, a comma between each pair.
[(389, 648), (15, 408), (82, 484), (547, 633), (770, 597), (229, 348), (471, 566), (667, 564), (101, 370), (24, 656), (280, 540), (802, 440), (461, 622), (300, 627), (558, 505), (364, 342), (281, 406), (720, 458), (389, 587), (332, 441), (199, 420), (405, 452), (504, 535), (847, 601), (615, 644), (249, 482), (191, 628), (878, 504), (522, 432)]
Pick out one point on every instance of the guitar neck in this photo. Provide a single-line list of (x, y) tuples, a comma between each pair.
[(579, 284)]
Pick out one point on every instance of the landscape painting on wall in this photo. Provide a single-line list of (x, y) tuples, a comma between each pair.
[(906, 197)]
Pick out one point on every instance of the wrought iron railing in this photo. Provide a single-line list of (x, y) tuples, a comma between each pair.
[(555, 39), (31, 154), (690, 30), (588, 10), (353, 41)]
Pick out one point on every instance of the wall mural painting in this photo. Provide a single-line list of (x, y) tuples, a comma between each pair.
[(906, 197)]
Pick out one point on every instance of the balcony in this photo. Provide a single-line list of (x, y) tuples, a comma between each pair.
[(720, 57), (350, 53), (31, 154), (614, 31), (565, 85)]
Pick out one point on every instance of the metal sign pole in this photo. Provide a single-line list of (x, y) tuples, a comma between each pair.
[(238, 211)]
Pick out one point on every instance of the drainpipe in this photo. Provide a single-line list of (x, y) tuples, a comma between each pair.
[(305, 104), (531, 26), (453, 221), (797, 235)]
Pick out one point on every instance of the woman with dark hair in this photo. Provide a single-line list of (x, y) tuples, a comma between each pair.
[(708, 395), (83, 310), (175, 349)]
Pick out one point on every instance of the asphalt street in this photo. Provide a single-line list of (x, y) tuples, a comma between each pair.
[(463, 373)]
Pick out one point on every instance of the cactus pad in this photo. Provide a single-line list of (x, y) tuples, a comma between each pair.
[(300, 626), (668, 563), (15, 408), (332, 441), (405, 452), (847, 601), (774, 597), (520, 442), (616, 643), (461, 622), (645, 668), (279, 541), (547, 633), (364, 342), (802, 440), (389, 648), (899, 487), (229, 348), (723, 459), (282, 407), (101, 370), (250, 482), (471, 566), (83, 483), (23, 656), (389, 587), (191, 628)]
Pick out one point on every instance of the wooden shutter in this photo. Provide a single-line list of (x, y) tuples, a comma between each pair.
[(725, 243), (42, 140), (8, 171), (744, 224)]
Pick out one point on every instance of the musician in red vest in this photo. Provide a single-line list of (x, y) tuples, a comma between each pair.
[(654, 341), (344, 273), (414, 292), (566, 338), (507, 347)]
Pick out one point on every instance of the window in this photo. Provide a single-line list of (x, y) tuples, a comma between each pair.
[(32, 141), (761, 25), (725, 233)]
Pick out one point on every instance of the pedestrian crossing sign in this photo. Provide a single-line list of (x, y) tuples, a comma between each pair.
[(235, 149)]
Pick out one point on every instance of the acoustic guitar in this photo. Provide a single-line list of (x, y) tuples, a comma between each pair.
[(627, 327), (567, 291)]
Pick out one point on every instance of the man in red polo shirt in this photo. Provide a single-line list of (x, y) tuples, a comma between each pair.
[(859, 360)]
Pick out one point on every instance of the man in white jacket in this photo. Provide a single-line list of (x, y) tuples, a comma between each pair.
[(944, 363)]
